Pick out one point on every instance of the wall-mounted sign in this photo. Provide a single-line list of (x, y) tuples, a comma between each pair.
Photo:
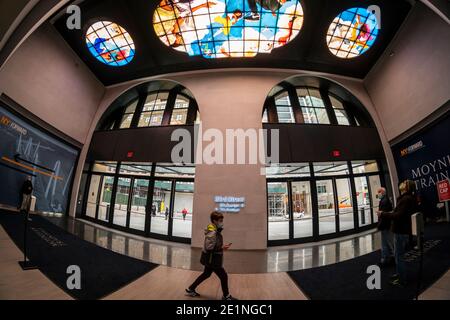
[(444, 190), (229, 204)]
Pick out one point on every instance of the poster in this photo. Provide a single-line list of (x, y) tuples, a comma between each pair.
[(25, 151)]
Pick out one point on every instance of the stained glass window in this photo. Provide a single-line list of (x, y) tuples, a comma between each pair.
[(352, 33), (110, 43), (227, 28)]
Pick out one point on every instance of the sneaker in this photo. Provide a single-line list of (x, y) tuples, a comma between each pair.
[(229, 297), (253, 17), (397, 283), (192, 293), (394, 277)]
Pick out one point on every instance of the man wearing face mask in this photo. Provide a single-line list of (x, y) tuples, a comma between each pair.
[(212, 257), (384, 225), (401, 227)]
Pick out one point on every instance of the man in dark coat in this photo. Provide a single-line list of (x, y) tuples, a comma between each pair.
[(26, 191), (384, 225), (401, 227)]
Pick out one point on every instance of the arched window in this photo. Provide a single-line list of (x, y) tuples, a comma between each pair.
[(304, 104), (158, 103)]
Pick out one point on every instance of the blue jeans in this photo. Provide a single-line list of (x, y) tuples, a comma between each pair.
[(387, 245), (400, 246)]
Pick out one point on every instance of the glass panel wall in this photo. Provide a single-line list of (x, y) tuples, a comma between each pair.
[(299, 212), (278, 211)]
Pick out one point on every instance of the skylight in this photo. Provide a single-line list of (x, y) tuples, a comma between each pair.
[(227, 28), (110, 43), (352, 33)]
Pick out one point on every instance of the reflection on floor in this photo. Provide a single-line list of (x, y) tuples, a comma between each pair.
[(176, 255), (161, 283)]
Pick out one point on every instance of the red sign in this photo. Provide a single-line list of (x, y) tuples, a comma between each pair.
[(336, 153), (130, 154), (444, 190)]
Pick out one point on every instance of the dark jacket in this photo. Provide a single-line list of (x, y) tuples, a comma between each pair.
[(212, 255), (401, 216), (385, 205), (27, 187)]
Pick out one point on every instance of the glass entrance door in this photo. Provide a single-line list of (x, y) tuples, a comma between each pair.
[(278, 210), (327, 208), (161, 207), (302, 209), (183, 210), (362, 197), (121, 206), (138, 209)]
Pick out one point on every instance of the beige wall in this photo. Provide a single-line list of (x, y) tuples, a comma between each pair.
[(231, 99), (415, 81), (46, 77)]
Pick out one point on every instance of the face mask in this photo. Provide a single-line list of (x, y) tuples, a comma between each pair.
[(220, 225)]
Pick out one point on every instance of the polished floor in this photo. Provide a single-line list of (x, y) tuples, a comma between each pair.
[(163, 283), (182, 256), (168, 283)]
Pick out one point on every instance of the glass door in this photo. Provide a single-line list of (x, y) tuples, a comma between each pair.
[(375, 185), (183, 210), (138, 207), (326, 205), (302, 213), (121, 205), (161, 207), (278, 210), (362, 197), (345, 204), (105, 198), (93, 196)]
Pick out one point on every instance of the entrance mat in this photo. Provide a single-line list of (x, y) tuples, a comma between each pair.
[(348, 280), (53, 250)]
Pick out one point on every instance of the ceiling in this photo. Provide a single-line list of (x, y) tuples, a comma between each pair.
[(308, 51)]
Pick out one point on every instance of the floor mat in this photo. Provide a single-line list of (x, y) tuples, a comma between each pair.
[(53, 250), (348, 280)]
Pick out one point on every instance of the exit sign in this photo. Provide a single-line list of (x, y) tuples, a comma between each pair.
[(336, 153), (130, 154)]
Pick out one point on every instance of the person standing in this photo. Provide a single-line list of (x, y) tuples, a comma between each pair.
[(384, 225), (167, 213), (26, 192), (184, 213), (401, 227), (212, 257)]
